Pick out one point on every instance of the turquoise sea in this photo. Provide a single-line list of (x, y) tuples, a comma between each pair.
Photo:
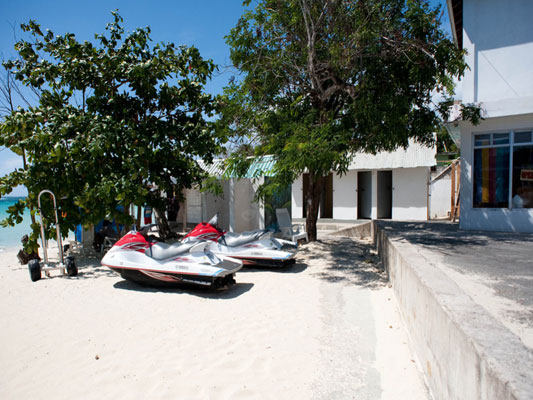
[(10, 237)]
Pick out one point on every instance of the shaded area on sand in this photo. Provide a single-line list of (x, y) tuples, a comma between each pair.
[(348, 261)]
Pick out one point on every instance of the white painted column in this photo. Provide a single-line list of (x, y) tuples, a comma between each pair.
[(297, 198), (374, 214)]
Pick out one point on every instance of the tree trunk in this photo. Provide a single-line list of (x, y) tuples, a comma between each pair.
[(162, 225), (139, 216), (312, 198)]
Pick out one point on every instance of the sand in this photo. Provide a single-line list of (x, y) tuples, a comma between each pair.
[(325, 328)]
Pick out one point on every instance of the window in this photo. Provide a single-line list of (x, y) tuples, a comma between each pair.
[(494, 156), (491, 171), (522, 194)]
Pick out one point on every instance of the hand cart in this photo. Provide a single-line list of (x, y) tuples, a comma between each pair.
[(67, 265)]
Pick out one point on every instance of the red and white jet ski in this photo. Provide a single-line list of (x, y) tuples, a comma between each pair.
[(252, 248), (152, 263)]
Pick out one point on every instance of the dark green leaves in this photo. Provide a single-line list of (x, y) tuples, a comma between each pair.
[(115, 118), (324, 79)]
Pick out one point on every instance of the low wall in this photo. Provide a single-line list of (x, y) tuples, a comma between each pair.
[(465, 353), (360, 231)]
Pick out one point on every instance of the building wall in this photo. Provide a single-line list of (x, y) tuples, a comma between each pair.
[(498, 36), (194, 206), (247, 214), (493, 219), (440, 199), (409, 194), (217, 204), (297, 198), (345, 196)]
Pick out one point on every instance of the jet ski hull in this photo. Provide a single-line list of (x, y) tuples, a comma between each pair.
[(267, 262), (263, 253), (172, 280)]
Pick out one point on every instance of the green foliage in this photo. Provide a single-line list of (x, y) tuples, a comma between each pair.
[(324, 79), (114, 118)]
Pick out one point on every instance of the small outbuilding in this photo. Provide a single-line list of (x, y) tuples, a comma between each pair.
[(388, 185)]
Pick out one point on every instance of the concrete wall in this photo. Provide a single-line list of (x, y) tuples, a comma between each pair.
[(217, 204), (498, 36), (345, 196), (492, 219), (440, 197), (464, 352), (297, 207), (409, 195), (194, 206), (247, 215)]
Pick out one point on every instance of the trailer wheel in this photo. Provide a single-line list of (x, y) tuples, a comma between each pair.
[(72, 268), (35, 270)]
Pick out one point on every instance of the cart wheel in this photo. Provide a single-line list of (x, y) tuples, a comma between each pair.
[(72, 269), (35, 270)]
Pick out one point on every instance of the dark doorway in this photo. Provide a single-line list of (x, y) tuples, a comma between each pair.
[(364, 195), (385, 194)]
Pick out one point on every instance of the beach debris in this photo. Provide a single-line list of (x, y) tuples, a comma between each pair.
[(97, 357), (24, 257)]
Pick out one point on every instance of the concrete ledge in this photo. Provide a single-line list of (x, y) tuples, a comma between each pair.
[(360, 231), (464, 351)]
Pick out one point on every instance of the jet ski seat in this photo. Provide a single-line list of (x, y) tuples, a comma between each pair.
[(231, 239), (162, 251)]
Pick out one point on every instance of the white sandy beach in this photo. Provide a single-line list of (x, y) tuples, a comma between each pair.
[(326, 328)]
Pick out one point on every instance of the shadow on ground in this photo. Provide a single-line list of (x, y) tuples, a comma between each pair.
[(344, 260), (448, 236), (289, 269), (223, 294)]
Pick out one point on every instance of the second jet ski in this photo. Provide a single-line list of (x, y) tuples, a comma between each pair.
[(252, 248)]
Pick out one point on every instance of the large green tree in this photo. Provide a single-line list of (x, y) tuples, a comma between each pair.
[(114, 119), (323, 79)]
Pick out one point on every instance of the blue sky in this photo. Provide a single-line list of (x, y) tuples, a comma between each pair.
[(200, 23)]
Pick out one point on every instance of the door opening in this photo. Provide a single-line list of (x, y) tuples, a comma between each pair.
[(364, 195), (385, 194)]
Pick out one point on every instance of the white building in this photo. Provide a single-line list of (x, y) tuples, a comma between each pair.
[(236, 206), (497, 155), (390, 185)]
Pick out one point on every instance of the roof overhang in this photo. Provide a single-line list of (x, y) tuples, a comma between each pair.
[(455, 11)]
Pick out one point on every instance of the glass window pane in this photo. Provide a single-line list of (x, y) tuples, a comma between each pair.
[(523, 177), (522, 137), (500, 138), (491, 177), (482, 140)]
